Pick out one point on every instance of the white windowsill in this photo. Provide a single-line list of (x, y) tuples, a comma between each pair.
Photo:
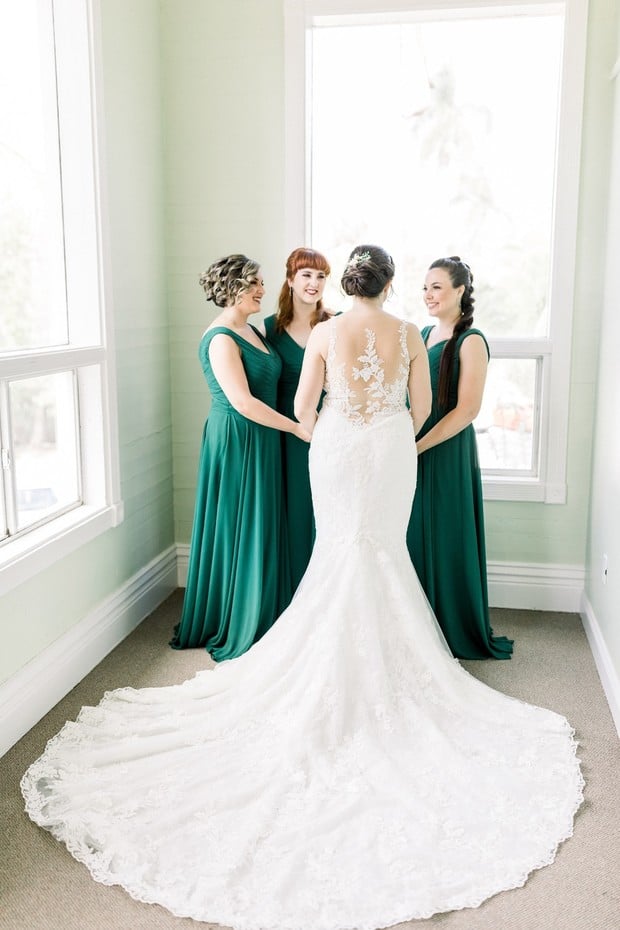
[(522, 489), (23, 558)]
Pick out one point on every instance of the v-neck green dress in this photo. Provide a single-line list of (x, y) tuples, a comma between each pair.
[(446, 530), (296, 477), (236, 586)]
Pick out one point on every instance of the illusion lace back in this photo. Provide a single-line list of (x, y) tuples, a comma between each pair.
[(346, 772), (365, 387)]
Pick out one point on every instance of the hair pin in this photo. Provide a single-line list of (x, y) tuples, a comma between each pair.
[(357, 259)]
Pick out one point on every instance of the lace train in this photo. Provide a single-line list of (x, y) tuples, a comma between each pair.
[(344, 773)]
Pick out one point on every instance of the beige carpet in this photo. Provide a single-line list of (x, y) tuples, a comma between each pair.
[(41, 886)]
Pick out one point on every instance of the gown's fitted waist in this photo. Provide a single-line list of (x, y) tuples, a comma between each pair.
[(222, 409), (339, 406)]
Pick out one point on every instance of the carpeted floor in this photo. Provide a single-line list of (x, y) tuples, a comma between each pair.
[(41, 886)]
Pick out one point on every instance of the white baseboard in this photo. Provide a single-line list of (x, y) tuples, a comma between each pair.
[(182, 563), (536, 586), (29, 694), (604, 665), (522, 585)]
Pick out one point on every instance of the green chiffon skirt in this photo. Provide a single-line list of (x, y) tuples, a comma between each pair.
[(236, 586)]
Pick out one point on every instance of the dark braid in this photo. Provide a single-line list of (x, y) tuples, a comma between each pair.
[(460, 274)]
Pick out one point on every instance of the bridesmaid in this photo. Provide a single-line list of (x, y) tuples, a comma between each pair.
[(446, 530), (233, 594), (300, 308)]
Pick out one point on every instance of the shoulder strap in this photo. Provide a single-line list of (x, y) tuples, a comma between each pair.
[(404, 347), (473, 332), (259, 334), (216, 330)]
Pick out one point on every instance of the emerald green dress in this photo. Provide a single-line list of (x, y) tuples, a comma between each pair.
[(296, 478), (236, 583), (446, 530)]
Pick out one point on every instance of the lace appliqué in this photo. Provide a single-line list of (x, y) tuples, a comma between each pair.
[(383, 399)]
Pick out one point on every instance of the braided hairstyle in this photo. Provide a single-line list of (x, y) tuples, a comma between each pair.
[(228, 278), (460, 274), (367, 271), (299, 258)]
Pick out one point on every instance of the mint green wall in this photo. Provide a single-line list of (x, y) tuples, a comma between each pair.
[(223, 84), (604, 535), (37, 613), (224, 152)]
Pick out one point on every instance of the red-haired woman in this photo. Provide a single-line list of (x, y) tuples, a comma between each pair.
[(300, 308)]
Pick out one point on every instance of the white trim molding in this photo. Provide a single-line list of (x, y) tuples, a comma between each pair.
[(182, 563), (29, 694), (604, 665), (536, 586)]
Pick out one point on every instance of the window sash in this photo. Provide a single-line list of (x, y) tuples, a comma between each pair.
[(89, 353), (301, 16), (534, 470), (11, 479)]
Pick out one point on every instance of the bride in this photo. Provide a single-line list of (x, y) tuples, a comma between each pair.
[(346, 772)]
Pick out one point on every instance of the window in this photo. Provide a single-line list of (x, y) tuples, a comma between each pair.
[(59, 477), (435, 130)]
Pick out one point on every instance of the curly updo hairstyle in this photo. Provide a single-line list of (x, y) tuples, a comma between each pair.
[(300, 258), (367, 271), (460, 274), (228, 278)]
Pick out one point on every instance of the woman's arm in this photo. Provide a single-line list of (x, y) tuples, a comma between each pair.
[(227, 366), (474, 361), (419, 386), (312, 377)]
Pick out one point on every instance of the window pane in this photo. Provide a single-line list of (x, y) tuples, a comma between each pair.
[(3, 518), (45, 451), (431, 139), (33, 309), (506, 425)]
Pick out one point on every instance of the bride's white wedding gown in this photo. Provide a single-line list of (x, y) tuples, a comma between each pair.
[(346, 772)]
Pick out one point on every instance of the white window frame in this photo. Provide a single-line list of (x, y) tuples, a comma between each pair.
[(90, 351), (554, 352)]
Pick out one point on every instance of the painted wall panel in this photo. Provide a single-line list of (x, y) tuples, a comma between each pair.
[(604, 526)]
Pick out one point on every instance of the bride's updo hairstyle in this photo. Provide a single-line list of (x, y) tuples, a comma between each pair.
[(460, 274), (228, 278), (367, 271)]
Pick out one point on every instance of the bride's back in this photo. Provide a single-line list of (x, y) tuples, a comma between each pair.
[(367, 360), (367, 364)]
